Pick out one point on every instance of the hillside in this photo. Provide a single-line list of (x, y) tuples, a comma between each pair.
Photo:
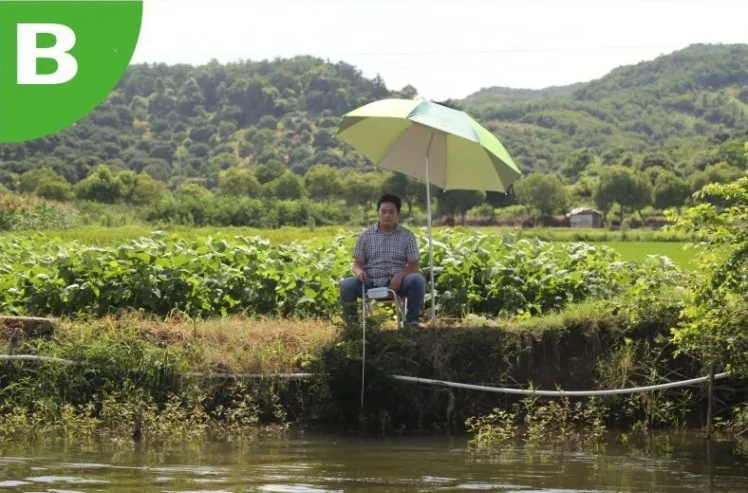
[(181, 123), (674, 104), (178, 122), (499, 95)]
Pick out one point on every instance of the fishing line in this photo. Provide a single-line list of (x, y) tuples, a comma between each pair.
[(363, 339)]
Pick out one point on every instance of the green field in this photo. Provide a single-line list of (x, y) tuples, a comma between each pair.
[(639, 250), (632, 245), (220, 272), (101, 236)]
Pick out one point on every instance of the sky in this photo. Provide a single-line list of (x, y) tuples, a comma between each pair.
[(445, 49)]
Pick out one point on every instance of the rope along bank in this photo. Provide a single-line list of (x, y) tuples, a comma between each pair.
[(427, 381)]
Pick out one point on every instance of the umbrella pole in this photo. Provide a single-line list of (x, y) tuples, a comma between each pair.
[(431, 246)]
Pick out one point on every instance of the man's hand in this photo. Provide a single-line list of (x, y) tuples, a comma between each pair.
[(358, 269), (396, 282)]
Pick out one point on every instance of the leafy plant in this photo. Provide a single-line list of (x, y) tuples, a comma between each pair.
[(714, 322), (206, 276)]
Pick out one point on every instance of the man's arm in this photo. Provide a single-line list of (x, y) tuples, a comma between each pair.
[(414, 257), (410, 268), (357, 266), (359, 261)]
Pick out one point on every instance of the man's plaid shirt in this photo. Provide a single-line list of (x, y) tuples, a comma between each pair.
[(384, 255)]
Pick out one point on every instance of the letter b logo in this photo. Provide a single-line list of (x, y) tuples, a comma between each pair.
[(29, 53), (59, 59)]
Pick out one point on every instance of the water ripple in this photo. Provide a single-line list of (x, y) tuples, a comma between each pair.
[(65, 479), (295, 488), (12, 483)]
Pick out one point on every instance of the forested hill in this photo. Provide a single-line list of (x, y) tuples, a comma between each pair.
[(677, 102), (177, 122), (181, 122)]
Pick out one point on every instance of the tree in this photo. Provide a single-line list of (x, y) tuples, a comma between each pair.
[(622, 186), (162, 150), (267, 121), (238, 182), (656, 159), (716, 173), (577, 163), (583, 191), (272, 170), (543, 192), (654, 173), (140, 189), (223, 161), (45, 183), (193, 191), (59, 190), (288, 186), (362, 189), (452, 202), (226, 129), (190, 98), (323, 182), (408, 92), (324, 139), (408, 189), (615, 156), (101, 185), (158, 169), (670, 191)]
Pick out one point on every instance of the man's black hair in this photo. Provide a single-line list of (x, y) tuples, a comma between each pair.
[(388, 197)]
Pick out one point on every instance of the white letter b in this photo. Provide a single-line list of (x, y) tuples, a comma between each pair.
[(29, 53)]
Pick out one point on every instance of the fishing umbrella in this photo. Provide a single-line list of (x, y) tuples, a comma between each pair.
[(430, 142)]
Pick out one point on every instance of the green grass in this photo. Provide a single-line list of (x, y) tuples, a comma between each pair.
[(638, 251), (590, 235)]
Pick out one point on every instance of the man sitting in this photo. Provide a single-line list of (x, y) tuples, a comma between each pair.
[(386, 254)]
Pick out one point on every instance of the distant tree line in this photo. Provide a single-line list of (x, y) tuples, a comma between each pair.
[(637, 141)]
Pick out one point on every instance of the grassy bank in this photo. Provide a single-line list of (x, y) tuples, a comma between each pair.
[(133, 374)]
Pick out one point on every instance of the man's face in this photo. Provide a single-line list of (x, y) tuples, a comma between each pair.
[(388, 214)]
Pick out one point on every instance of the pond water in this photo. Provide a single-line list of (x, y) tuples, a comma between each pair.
[(308, 463)]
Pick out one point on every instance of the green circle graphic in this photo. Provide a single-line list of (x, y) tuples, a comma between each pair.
[(72, 55)]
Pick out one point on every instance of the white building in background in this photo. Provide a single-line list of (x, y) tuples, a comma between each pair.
[(584, 217)]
